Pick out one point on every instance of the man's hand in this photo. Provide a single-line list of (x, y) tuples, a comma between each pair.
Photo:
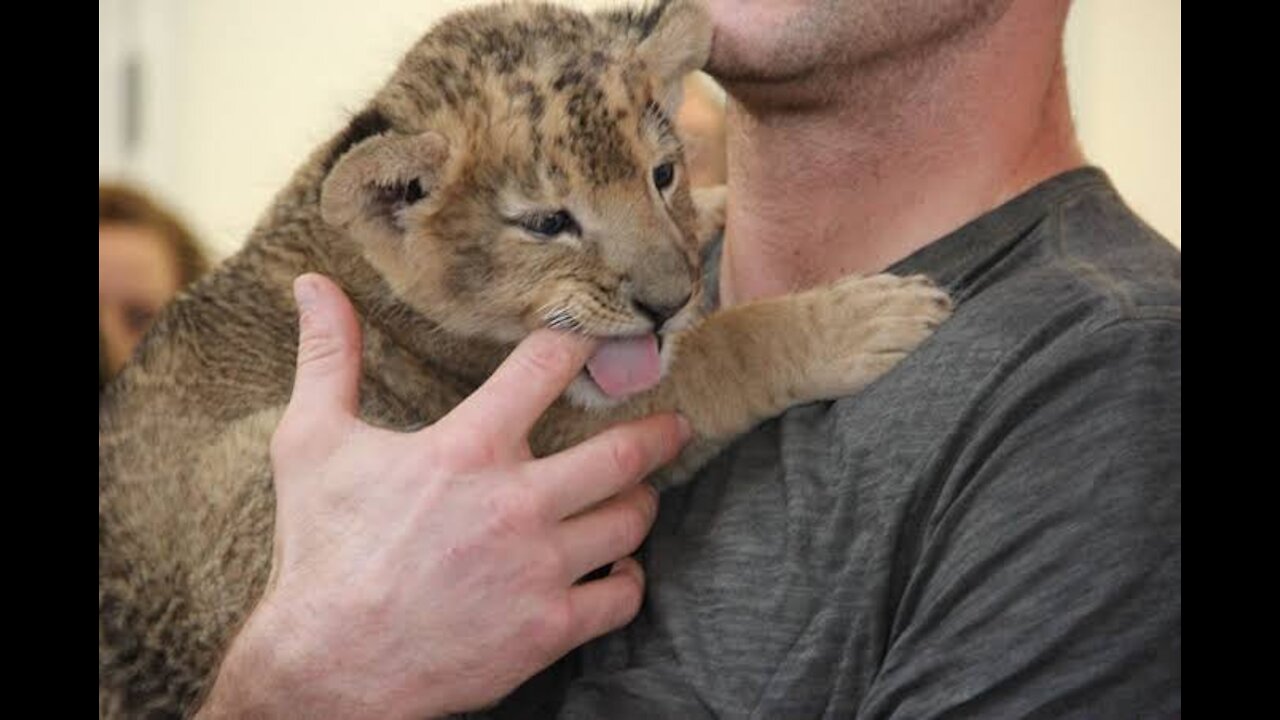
[(416, 574)]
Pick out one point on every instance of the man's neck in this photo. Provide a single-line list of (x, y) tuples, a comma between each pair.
[(905, 152)]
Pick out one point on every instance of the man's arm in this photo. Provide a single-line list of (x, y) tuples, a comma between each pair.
[(417, 574), (1049, 584)]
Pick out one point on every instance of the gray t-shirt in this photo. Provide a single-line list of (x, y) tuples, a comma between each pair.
[(992, 530)]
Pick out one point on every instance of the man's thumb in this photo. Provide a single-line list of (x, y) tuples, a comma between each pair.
[(329, 343)]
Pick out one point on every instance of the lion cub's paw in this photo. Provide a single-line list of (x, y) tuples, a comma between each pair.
[(869, 324)]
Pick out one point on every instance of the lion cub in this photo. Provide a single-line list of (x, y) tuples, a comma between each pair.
[(519, 170)]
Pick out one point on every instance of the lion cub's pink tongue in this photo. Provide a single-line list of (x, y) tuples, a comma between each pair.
[(627, 366)]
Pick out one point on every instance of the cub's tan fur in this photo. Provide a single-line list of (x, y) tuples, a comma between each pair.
[(426, 210)]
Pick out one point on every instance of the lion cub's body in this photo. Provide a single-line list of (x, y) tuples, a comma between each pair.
[(429, 209)]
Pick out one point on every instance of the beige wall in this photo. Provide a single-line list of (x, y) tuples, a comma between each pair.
[(259, 84), (267, 82), (1124, 60)]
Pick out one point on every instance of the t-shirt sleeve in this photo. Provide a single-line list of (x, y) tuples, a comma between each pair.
[(1047, 582)]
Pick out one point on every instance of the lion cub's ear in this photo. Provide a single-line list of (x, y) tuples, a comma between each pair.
[(379, 179), (678, 44)]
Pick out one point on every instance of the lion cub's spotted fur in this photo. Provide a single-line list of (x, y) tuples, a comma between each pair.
[(422, 209)]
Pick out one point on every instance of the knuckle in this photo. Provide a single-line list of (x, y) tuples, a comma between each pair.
[(319, 346), (461, 451), (629, 598), (672, 439), (628, 457), (536, 497), (632, 597), (649, 502), (294, 437), (508, 510), (550, 627), (548, 563), (633, 524), (544, 358)]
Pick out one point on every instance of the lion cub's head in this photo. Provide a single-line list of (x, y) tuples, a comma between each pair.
[(520, 170)]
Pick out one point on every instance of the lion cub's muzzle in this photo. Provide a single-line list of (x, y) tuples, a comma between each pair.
[(660, 313)]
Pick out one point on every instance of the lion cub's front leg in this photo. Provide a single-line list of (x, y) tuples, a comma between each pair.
[(751, 362)]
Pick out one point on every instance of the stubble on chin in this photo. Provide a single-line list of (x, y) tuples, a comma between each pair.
[(767, 42)]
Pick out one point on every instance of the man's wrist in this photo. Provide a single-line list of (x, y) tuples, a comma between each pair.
[(272, 668), (275, 668), (253, 678)]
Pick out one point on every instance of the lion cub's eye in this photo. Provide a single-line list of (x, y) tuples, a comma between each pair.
[(663, 175), (412, 192), (551, 224)]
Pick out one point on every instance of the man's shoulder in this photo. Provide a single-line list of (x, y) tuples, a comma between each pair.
[(1089, 263), (1092, 255), (1085, 283)]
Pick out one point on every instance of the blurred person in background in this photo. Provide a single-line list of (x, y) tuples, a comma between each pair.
[(145, 256)]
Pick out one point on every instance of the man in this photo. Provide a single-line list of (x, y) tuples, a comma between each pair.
[(991, 530)]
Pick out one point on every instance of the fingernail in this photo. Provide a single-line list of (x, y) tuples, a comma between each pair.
[(684, 428), (304, 291)]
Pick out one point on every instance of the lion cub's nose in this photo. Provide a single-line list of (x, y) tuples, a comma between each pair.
[(659, 313)]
